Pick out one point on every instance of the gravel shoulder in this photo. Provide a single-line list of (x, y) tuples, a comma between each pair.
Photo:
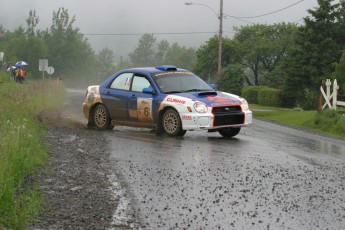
[(75, 180)]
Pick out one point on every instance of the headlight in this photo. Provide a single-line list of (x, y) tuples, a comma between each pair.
[(200, 107), (244, 104)]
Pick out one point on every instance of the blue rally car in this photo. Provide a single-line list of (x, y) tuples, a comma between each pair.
[(164, 98)]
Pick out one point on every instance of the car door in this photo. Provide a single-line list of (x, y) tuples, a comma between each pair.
[(140, 104), (116, 97)]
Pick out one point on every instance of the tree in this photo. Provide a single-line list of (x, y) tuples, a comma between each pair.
[(232, 78), (339, 74), (68, 51), (207, 54), (105, 63), (32, 22), (144, 53), (318, 45), (262, 47), (14, 44), (148, 54), (161, 53), (181, 57)]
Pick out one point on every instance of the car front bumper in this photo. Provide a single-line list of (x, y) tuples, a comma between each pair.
[(197, 121)]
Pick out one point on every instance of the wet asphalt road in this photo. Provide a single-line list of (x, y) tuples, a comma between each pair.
[(268, 177)]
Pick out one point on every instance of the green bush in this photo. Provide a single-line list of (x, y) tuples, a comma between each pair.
[(250, 93), (269, 97), (262, 95), (310, 100), (330, 120)]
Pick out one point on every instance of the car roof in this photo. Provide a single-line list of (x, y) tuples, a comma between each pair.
[(155, 70)]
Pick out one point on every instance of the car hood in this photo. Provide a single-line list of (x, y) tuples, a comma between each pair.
[(213, 98)]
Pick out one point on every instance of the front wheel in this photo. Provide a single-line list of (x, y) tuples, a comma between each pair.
[(229, 132), (101, 118), (171, 123)]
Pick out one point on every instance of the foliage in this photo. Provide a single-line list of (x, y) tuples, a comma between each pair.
[(251, 93), (181, 57), (105, 61), (144, 53), (269, 97), (330, 121), (14, 43), (160, 55), (25, 45), (310, 100), (22, 148), (231, 79), (68, 51), (317, 46), (262, 47), (65, 48), (147, 54), (32, 21), (207, 57), (206, 65), (275, 78), (339, 74)]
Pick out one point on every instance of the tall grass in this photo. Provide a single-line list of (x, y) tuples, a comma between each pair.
[(328, 122), (22, 147)]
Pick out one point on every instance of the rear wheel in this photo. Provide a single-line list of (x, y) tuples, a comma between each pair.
[(229, 132), (101, 118), (171, 123)]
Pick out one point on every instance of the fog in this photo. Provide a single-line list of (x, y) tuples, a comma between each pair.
[(118, 25)]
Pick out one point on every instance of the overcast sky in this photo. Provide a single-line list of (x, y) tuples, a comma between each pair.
[(160, 17)]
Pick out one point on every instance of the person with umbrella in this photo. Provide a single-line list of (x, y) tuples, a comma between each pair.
[(20, 71)]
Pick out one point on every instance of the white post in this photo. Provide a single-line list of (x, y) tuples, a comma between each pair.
[(335, 93), (328, 91)]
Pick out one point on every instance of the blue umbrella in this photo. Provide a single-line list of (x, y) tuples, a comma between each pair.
[(21, 63)]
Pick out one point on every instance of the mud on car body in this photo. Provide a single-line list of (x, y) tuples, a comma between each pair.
[(167, 99)]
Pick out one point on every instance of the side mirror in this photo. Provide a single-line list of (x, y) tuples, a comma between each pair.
[(148, 90), (213, 86)]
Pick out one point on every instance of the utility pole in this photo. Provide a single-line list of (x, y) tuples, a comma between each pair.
[(220, 37), (220, 17)]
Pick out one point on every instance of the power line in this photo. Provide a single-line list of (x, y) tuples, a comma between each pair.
[(139, 34), (227, 15), (186, 33), (262, 15)]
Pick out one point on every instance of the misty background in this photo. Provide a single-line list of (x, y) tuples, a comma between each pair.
[(118, 25)]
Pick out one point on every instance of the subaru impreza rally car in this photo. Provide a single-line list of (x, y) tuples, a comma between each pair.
[(167, 99)]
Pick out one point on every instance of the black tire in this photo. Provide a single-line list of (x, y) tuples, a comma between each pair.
[(171, 123), (229, 132), (101, 118)]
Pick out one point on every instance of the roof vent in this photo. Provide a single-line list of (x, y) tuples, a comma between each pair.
[(166, 68)]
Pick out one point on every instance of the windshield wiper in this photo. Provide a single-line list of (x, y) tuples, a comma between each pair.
[(173, 91), (196, 90)]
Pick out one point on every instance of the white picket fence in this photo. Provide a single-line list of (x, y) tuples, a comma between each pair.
[(331, 99)]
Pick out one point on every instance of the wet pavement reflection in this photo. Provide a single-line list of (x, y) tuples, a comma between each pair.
[(268, 177)]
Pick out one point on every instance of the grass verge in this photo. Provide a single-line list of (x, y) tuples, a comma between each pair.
[(329, 122), (22, 147)]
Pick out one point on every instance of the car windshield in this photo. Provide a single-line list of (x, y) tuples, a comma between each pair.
[(178, 82)]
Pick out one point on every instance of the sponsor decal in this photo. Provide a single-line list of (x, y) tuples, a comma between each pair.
[(91, 98), (175, 100), (219, 100), (186, 117), (93, 89), (144, 109), (128, 81)]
